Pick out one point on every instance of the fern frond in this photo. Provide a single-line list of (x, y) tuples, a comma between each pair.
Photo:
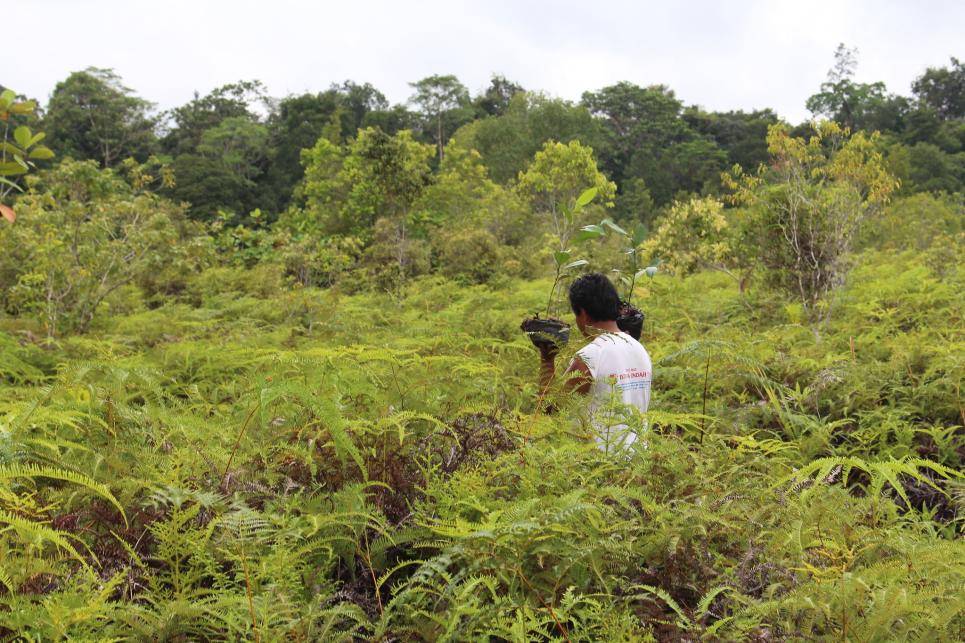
[(29, 470), (663, 595), (6, 581), (37, 534)]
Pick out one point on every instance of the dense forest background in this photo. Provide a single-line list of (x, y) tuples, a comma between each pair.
[(340, 181), (237, 149)]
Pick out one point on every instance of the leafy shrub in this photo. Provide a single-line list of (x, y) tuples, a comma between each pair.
[(82, 234), (472, 256), (394, 257), (690, 236), (807, 206), (919, 220), (321, 262), (262, 281)]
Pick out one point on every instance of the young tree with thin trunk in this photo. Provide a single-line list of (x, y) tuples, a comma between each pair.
[(438, 97)]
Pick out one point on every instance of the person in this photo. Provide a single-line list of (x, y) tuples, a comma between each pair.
[(614, 370)]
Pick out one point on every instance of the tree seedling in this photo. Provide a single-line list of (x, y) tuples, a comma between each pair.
[(17, 155), (565, 217), (631, 318)]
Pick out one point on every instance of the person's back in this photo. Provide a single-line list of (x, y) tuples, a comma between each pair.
[(622, 372), (614, 369)]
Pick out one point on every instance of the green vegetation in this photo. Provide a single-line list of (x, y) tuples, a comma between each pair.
[(262, 378), (298, 463)]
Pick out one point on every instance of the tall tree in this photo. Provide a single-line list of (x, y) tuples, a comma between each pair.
[(806, 207), (358, 101), (508, 142), (221, 174), (743, 135), (558, 175), (392, 120), (855, 105), (92, 115), (442, 100), (220, 148), (647, 138), (943, 90), (463, 197), (191, 120), (239, 144), (295, 124), (208, 186), (495, 100), (347, 188)]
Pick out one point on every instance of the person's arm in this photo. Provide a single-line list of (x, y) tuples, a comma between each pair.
[(547, 367), (578, 376)]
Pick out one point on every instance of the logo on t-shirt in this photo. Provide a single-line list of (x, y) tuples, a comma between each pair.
[(631, 379)]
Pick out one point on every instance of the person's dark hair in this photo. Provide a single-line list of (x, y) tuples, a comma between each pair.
[(595, 294)]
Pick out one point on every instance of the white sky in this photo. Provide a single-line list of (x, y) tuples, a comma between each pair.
[(737, 54)]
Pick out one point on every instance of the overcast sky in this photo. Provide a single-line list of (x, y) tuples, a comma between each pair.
[(722, 55)]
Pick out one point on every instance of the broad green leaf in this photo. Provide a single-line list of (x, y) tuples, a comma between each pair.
[(584, 235), (639, 234), (12, 168), (26, 107), (589, 232), (41, 153), (561, 257), (4, 181), (6, 98), (585, 198), (39, 136), (608, 222), (22, 135), (575, 264), (9, 148)]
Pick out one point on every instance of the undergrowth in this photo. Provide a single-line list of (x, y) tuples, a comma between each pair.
[(304, 465)]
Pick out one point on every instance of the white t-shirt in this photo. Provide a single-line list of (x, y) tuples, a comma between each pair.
[(622, 374)]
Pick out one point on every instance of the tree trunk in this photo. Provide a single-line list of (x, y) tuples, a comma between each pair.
[(439, 134)]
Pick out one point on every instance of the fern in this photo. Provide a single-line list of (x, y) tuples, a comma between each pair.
[(28, 470), (395, 481), (36, 534), (881, 473)]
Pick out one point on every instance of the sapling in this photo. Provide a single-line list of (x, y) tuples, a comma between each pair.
[(17, 156), (564, 227), (631, 318), (565, 217)]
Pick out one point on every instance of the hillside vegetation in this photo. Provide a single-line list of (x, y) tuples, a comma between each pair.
[(262, 391)]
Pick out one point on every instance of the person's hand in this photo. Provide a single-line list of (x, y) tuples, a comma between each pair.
[(548, 350)]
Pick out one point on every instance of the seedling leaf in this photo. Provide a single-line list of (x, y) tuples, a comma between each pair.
[(585, 198)]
